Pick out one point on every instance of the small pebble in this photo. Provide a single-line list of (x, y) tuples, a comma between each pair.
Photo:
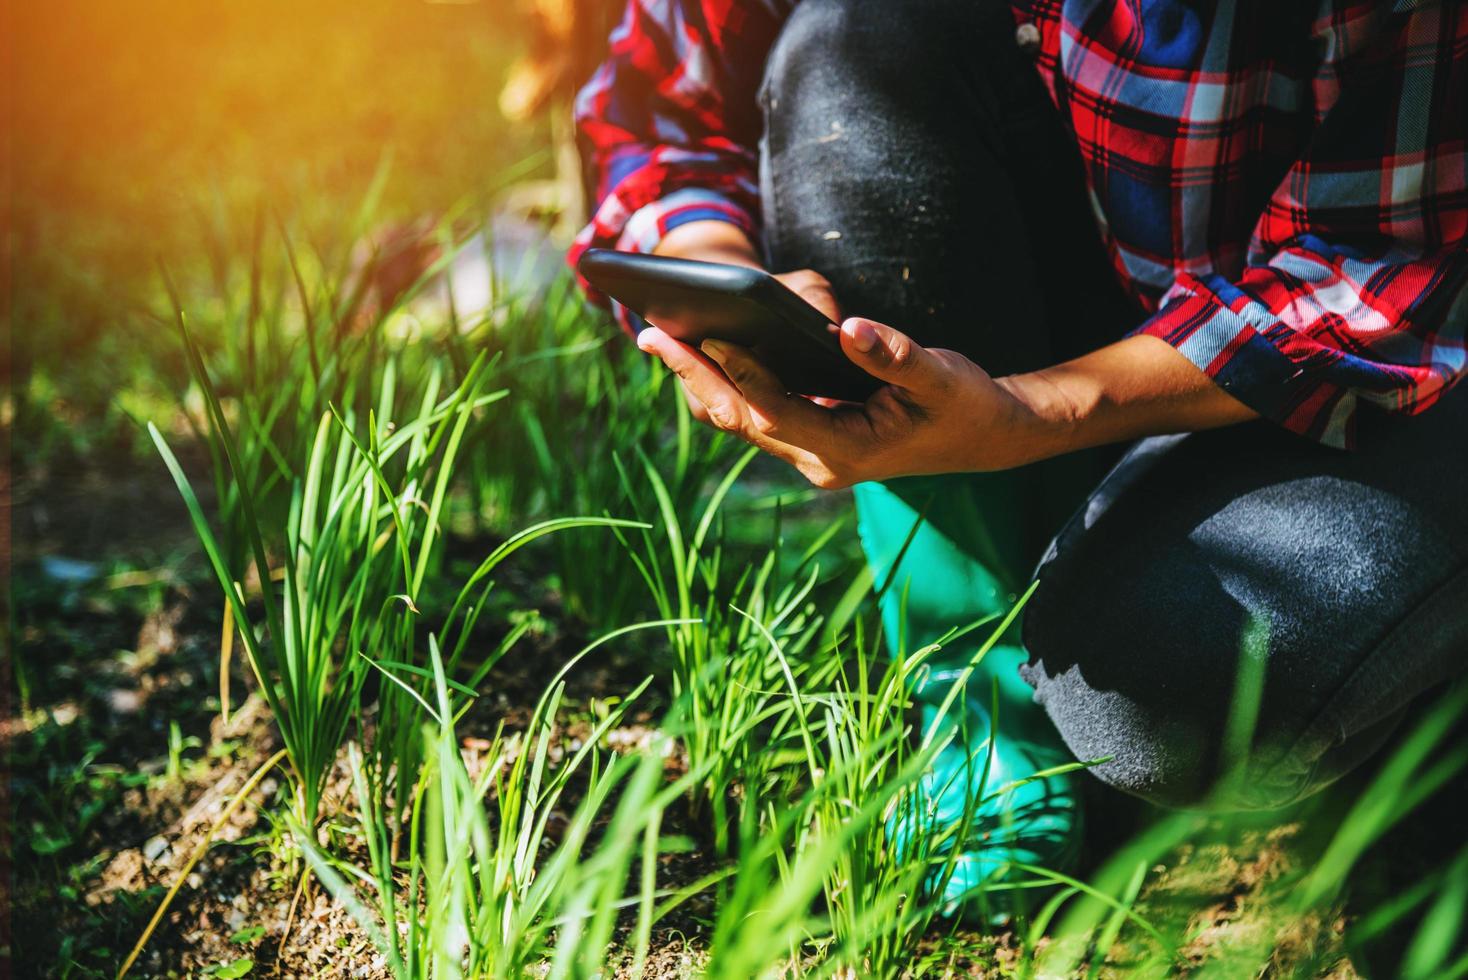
[(124, 701)]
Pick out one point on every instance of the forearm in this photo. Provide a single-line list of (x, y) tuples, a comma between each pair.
[(710, 241), (1135, 387)]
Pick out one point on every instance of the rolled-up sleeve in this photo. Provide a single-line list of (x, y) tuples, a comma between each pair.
[(1356, 282), (670, 123)]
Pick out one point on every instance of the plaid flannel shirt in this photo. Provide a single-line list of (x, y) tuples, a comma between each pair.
[(1285, 189)]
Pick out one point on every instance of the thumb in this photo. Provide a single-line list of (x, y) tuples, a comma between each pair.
[(887, 354)]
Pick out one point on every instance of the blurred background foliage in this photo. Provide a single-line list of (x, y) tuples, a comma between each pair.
[(180, 129), (123, 112)]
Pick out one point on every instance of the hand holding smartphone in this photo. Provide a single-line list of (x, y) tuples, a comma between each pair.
[(695, 301)]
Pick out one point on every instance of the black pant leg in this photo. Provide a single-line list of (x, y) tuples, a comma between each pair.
[(913, 157), (1335, 584)]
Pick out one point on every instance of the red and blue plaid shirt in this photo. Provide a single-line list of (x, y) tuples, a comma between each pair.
[(1286, 193)]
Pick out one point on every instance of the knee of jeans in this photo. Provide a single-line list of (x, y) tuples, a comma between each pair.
[(1162, 685), (1154, 748), (838, 46), (814, 46)]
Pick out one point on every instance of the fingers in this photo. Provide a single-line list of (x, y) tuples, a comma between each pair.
[(695, 407), (891, 355), (701, 378), (726, 406), (729, 409), (773, 411), (815, 289)]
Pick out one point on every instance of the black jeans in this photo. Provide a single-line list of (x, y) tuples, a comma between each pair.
[(913, 157)]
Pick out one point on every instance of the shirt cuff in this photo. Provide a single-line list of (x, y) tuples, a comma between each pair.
[(1244, 349), (650, 224)]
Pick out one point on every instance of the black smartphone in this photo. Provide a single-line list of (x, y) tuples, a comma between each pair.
[(697, 301)]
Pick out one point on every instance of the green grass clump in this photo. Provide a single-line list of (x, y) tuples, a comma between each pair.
[(476, 895), (582, 393), (746, 629), (353, 558)]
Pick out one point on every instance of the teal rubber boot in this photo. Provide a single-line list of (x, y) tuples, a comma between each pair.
[(969, 559)]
